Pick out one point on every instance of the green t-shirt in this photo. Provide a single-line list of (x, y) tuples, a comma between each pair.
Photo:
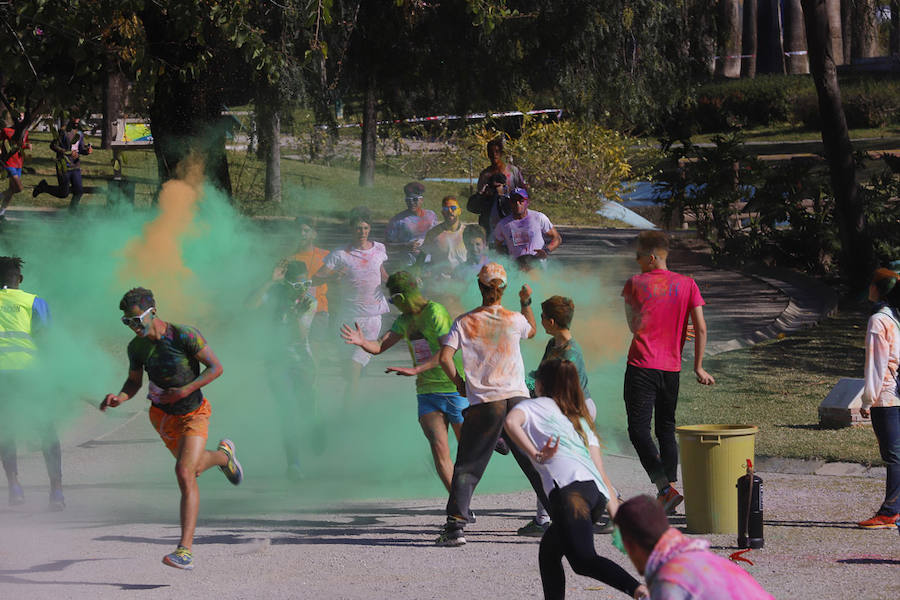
[(423, 332), (571, 352), (170, 362)]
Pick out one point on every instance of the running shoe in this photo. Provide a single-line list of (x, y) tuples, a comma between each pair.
[(39, 188), (471, 518), (16, 495), (533, 529), (232, 469), (669, 498), (880, 522), (180, 559), (451, 534), (604, 528), (57, 500), (501, 447)]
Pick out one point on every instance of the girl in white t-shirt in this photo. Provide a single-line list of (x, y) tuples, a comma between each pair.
[(555, 431)]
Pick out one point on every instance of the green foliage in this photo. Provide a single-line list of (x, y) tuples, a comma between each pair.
[(882, 201)]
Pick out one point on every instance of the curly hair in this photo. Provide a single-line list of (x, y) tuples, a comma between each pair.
[(10, 270), (140, 297)]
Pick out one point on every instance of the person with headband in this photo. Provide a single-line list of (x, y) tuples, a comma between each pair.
[(357, 272), (489, 338), (525, 235), (23, 318), (881, 395), (172, 354), (675, 566), (444, 242), (406, 230), (556, 432), (422, 323)]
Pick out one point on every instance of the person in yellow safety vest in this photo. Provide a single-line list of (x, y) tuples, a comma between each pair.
[(22, 316)]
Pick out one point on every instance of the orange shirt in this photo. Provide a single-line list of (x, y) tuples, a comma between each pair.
[(314, 260)]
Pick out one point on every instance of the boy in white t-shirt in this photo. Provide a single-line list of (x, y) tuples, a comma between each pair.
[(489, 338)]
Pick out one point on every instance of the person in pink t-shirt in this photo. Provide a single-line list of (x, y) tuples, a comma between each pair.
[(658, 304)]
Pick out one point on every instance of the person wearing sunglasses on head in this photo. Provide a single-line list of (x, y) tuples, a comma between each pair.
[(422, 323), (23, 317), (406, 230), (172, 354), (292, 301), (444, 242)]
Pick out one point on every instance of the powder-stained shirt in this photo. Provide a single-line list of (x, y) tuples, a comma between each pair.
[(489, 339), (572, 461), (407, 226), (15, 160), (570, 351), (661, 302), (423, 332), (523, 236), (314, 259), (170, 362), (882, 357), (446, 247), (359, 280)]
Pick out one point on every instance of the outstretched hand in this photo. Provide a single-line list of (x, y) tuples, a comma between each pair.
[(352, 335), (405, 371)]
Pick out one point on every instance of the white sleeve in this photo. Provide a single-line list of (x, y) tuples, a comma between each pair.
[(591, 436), (877, 355), (524, 325), (546, 225), (453, 337)]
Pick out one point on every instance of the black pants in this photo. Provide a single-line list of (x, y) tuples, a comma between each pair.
[(481, 428), (649, 391), (571, 534), (70, 181)]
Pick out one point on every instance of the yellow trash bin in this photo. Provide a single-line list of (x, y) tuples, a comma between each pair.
[(712, 459)]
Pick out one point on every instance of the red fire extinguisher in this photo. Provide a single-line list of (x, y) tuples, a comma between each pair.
[(750, 509)]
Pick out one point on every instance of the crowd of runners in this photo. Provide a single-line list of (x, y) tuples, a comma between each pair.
[(470, 377)]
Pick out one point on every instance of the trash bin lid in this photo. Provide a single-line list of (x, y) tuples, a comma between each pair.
[(720, 430)]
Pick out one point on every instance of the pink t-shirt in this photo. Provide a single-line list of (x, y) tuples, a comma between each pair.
[(661, 302)]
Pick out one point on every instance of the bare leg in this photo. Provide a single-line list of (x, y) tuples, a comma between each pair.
[(352, 392), (434, 425), (192, 459)]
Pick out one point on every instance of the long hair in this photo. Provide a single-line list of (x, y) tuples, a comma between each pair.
[(559, 380)]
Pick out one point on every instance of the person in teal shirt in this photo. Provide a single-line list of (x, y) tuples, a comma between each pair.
[(422, 324)]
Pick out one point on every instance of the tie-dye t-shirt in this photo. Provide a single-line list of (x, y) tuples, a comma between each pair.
[(407, 226), (170, 362), (358, 281), (489, 339), (661, 302)]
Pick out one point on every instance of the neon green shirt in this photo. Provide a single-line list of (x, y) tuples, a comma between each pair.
[(423, 333)]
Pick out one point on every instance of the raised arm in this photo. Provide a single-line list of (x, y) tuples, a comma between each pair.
[(256, 299), (354, 335), (525, 299)]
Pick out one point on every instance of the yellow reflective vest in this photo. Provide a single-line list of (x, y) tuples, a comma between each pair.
[(17, 349)]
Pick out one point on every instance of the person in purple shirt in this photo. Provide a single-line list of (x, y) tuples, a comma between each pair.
[(406, 230), (526, 235), (22, 318)]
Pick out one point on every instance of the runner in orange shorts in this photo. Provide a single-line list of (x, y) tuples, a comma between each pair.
[(171, 354)]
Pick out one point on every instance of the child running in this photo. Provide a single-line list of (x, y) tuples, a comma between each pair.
[(554, 430), (422, 324), (171, 354)]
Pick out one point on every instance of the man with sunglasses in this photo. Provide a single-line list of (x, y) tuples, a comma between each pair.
[(406, 230), (444, 242), (291, 300), (172, 354), (422, 324), (526, 235)]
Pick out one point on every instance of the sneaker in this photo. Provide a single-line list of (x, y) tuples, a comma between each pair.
[(880, 522), (501, 447), (57, 500), (451, 534), (471, 518), (533, 529), (604, 528), (669, 498), (39, 188), (180, 559), (16, 495), (233, 470)]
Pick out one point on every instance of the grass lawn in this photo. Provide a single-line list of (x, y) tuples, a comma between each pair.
[(778, 385)]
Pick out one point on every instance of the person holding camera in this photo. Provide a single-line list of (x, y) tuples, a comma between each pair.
[(69, 147), (494, 183)]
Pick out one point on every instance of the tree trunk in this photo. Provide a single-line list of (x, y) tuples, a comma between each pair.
[(770, 56), (273, 159), (729, 15), (369, 131), (795, 39), (856, 245), (864, 42), (113, 103), (894, 43), (844, 32), (748, 40)]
